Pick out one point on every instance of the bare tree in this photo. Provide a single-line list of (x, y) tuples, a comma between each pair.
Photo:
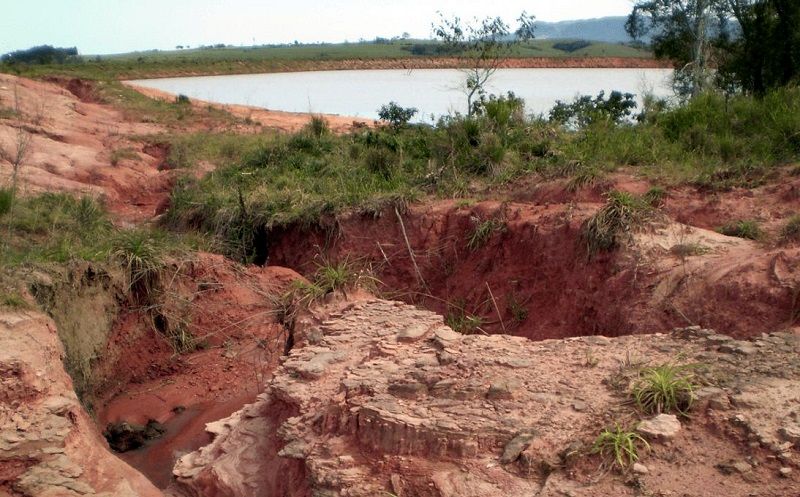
[(482, 45)]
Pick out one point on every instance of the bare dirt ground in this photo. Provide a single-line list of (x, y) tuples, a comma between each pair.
[(271, 119), (379, 396)]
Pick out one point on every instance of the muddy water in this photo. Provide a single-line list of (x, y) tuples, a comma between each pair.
[(433, 91), (185, 432)]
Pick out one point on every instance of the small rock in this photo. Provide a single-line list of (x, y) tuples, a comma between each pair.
[(640, 469), (662, 426), (515, 447), (791, 433), (730, 467), (579, 405), (785, 472), (413, 333)]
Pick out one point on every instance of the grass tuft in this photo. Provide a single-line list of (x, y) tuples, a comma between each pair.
[(791, 230), (620, 445), (483, 232), (615, 221), (664, 389), (6, 200), (140, 253)]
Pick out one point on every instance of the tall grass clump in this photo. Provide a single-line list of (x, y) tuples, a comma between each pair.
[(140, 253), (743, 228), (615, 221)]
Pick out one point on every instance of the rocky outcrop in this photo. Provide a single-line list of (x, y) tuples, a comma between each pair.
[(48, 445), (383, 397)]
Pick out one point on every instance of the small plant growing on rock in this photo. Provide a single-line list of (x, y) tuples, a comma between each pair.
[(665, 388), (620, 445), (743, 228)]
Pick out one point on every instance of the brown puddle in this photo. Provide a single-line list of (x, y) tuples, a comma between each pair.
[(185, 432)]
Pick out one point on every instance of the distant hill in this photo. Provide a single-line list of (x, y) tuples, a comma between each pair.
[(607, 29)]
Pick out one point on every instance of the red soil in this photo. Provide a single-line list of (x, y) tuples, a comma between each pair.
[(232, 312)]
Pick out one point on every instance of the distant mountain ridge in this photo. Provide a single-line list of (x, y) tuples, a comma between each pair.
[(607, 29)]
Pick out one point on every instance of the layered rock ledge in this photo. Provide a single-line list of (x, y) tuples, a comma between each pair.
[(383, 397)]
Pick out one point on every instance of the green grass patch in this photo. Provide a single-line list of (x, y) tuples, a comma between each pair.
[(743, 228), (483, 231), (261, 59)]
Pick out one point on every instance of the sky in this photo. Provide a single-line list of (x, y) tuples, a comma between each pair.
[(115, 26)]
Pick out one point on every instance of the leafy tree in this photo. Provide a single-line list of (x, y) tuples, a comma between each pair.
[(681, 30), (482, 44), (397, 116), (766, 54), (755, 44)]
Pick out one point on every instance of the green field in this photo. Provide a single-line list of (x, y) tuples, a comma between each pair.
[(240, 60)]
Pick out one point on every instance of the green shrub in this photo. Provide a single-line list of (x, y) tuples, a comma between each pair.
[(748, 229), (318, 127), (395, 115), (585, 110)]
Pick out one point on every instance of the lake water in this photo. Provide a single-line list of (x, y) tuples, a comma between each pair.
[(432, 91)]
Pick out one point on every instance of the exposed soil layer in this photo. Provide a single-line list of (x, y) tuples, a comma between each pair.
[(230, 312), (272, 119), (379, 396), (420, 63), (71, 143), (531, 276)]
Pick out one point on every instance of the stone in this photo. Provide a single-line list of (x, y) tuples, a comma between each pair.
[(413, 333), (785, 472), (579, 405), (790, 433), (730, 467), (640, 469), (515, 446), (663, 426), (408, 389)]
